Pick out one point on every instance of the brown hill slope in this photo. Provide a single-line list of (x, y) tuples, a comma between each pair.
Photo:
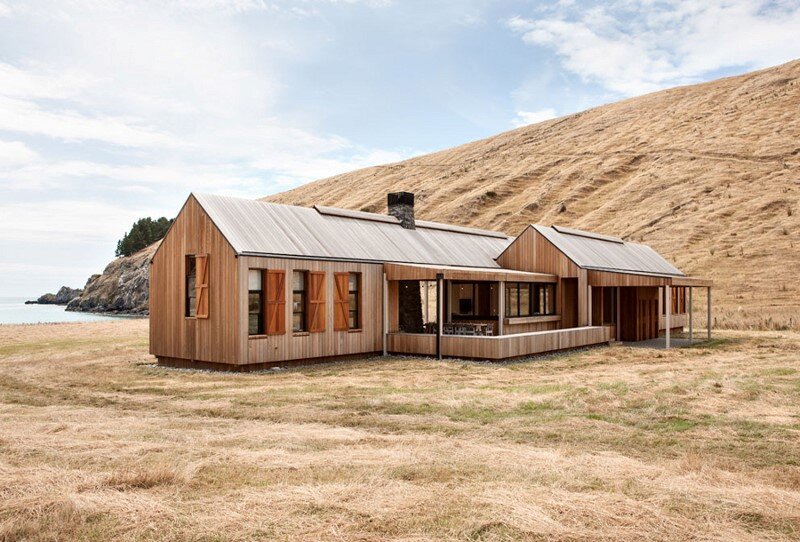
[(707, 174)]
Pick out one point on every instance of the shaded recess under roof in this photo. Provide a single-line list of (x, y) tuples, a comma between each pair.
[(270, 229)]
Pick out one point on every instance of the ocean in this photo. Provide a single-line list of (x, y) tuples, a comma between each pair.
[(13, 310)]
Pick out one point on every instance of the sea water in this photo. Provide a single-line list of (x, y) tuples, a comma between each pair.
[(13, 310)]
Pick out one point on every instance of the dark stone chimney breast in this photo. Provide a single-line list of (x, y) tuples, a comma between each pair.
[(401, 206)]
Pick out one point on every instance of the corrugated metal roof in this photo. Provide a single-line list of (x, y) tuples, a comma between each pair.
[(592, 252), (347, 213), (257, 227), (589, 234)]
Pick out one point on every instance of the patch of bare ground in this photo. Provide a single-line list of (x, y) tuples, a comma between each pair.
[(613, 443)]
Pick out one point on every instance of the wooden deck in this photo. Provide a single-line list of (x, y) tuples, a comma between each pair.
[(502, 347)]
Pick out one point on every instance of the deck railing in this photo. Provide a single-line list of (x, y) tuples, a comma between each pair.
[(500, 347)]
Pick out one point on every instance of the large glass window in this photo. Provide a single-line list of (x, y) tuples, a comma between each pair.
[(529, 299), (354, 287), (472, 299), (255, 302), (299, 301), (190, 303)]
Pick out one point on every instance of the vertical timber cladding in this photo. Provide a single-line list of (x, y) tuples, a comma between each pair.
[(323, 344), (534, 253), (639, 313), (172, 334)]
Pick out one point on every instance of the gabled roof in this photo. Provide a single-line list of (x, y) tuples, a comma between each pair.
[(605, 253), (255, 227)]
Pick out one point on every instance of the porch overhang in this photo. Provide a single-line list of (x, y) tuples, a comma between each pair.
[(402, 271), (610, 278), (692, 281)]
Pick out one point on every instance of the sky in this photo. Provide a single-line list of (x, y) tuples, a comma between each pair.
[(112, 110)]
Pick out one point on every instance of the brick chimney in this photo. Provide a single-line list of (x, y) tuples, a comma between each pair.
[(401, 206)]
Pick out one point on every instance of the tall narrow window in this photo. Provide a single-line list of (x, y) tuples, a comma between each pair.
[(550, 299), (512, 299), (255, 302), (354, 293), (524, 299), (190, 301), (299, 301)]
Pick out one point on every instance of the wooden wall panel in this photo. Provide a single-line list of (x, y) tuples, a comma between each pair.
[(569, 302), (639, 313), (513, 346), (528, 325), (423, 344), (605, 278), (330, 343), (534, 253), (171, 333)]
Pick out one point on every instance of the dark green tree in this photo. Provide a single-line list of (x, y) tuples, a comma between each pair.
[(144, 232)]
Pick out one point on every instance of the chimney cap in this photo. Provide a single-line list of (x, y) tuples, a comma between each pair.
[(401, 198)]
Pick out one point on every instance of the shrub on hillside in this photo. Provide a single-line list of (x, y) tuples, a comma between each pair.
[(144, 232)]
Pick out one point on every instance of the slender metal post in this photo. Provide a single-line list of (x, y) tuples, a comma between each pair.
[(439, 314), (709, 313), (427, 312), (619, 312), (385, 314), (691, 326), (589, 304), (501, 307), (668, 302), (449, 301)]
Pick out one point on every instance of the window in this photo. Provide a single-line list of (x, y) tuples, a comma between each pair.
[(299, 301), (512, 299), (463, 303), (255, 302), (191, 290), (354, 291), (530, 299), (471, 299)]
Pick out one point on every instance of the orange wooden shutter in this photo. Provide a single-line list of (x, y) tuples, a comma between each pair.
[(341, 301), (276, 302), (201, 286), (316, 301)]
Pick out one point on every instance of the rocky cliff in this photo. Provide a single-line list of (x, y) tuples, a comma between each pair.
[(62, 297), (122, 288)]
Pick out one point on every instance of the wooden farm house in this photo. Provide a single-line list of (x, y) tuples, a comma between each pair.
[(242, 284)]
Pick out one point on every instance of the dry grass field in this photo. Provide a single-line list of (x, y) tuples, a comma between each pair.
[(613, 443), (709, 175)]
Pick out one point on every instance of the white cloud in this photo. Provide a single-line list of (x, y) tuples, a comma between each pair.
[(15, 153), (66, 221), (532, 117), (637, 46), (26, 117), (5, 10)]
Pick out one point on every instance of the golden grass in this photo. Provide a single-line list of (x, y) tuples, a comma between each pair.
[(612, 443), (708, 175)]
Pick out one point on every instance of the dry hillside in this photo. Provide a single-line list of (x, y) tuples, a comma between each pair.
[(707, 174)]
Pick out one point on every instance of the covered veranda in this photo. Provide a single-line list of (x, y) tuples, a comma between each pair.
[(645, 305), (462, 312)]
